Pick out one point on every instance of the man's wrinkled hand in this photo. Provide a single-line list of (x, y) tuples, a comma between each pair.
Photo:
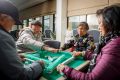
[(42, 63), (53, 50), (22, 57)]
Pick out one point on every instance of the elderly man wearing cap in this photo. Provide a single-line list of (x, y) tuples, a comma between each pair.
[(30, 38), (11, 67)]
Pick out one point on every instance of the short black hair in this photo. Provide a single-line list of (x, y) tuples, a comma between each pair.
[(36, 22), (84, 24), (111, 17)]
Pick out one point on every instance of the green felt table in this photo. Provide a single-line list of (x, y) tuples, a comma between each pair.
[(52, 60), (55, 75)]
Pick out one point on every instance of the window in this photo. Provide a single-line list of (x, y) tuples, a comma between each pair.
[(92, 21), (30, 20), (20, 27), (39, 18), (74, 21), (25, 23), (46, 22), (49, 21)]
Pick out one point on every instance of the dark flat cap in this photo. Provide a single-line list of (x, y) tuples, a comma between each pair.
[(36, 22), (6, 7)]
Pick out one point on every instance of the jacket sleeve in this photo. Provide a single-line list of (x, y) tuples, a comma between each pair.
[(107, 68), (69, 44), (90, 43), (12, 67), (90, 48), (29, 42), (88, 55)]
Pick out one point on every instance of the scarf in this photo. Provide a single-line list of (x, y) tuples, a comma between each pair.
[(102, 42)]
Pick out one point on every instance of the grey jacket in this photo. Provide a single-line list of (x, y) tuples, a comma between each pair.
[(11, 67), (28, 40)]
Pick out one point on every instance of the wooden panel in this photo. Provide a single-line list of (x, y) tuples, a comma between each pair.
[(114, 1), (44, 8), (81, 4), (85, 11)]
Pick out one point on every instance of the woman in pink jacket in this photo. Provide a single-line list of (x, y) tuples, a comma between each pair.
[(105, 61)]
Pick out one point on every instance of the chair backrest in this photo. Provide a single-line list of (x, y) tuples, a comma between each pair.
[(53, 43), (74, 32), (95, 34), (47, 33)]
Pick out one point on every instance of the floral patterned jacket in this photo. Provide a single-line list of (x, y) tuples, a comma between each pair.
[(80, 43)]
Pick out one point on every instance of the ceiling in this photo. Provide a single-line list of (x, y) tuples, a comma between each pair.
[(23, 4)]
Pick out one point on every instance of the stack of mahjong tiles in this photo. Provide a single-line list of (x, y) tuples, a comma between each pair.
[(52, 60)]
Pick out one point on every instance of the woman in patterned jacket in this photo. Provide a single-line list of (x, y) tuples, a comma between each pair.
[(81, 42)]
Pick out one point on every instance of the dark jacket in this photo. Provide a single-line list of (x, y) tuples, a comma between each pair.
[(107, 64), (11, 67), (82, 43)]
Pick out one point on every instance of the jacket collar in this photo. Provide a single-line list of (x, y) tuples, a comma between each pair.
[(1, 27), (82, 36)]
